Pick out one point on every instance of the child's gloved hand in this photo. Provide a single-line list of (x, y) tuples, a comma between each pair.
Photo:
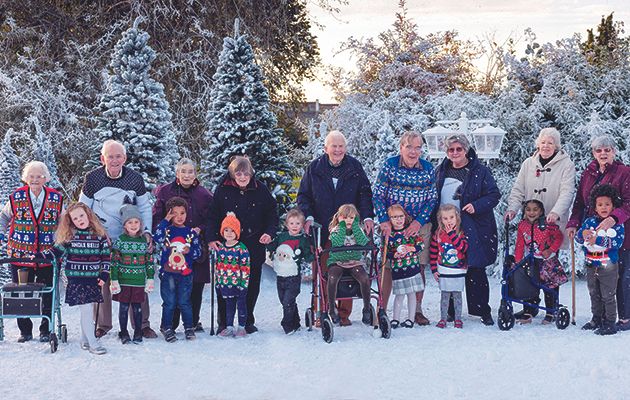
[(115, 287), (149, 286)]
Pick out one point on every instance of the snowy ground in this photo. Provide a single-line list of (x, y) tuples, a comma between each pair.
[(532, 361)]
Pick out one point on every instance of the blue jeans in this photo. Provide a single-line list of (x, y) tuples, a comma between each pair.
[(175, 290), (231, 303), (623, 285), (288, 290)]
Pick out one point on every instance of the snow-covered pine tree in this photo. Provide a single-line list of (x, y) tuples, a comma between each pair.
[(134, 110), (241, 123), (9, 168), (43, 151)]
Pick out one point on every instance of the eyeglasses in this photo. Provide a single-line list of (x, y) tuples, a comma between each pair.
[(605, 150), (241, 174), (417, 149), (455, 149)]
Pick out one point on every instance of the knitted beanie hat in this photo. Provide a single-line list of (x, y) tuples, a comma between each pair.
[(230, 221), (129, 211)]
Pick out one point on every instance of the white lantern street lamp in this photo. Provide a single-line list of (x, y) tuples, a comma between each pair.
[(435, 139)]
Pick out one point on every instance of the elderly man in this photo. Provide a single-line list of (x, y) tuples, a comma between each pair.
[(105, 190), (330, 181)]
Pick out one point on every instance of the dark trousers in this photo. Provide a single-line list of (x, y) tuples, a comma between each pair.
[(477, 292), (39, 275), (257, 258), (123, 313), (288, 291), (602, 284), (234, 303), (358, 273), (195, 299), (623, 285)]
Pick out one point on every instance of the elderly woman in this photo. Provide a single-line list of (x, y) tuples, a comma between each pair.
[(548, 176), (463, 181), (199, 200), (256, 209), (31, 215), (606, 170), (409, 181)]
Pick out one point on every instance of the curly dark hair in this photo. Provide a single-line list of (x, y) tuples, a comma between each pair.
[(605, 191), (175, 202)]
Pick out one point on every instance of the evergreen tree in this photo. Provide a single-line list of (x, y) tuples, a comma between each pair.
[(9, 168), (134, 111), (43, 151), (240, 122)]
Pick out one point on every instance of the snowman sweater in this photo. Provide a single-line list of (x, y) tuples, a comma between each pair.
[(607, 243), (448, 250), (408, 265), (289, 253), (173, 240)]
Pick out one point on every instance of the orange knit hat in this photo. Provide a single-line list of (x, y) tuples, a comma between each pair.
[(230, 221)]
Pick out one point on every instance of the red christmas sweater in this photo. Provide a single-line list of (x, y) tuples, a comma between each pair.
[(549, 238)]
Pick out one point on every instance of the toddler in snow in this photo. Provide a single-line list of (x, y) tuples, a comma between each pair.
[(81, 241), (131, 272), (290, 249), (545, 239), (403, 257), (345, 231), (601, 249), (447, 257), (180, 247), (232, 275)]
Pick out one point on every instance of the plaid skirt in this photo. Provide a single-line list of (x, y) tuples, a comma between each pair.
[(408, 285)]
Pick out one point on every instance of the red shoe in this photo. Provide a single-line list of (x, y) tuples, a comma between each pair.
[(441, 324), (459, 324)]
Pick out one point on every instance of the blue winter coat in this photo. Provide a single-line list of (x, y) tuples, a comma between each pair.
[(317, 197), (480, 189)]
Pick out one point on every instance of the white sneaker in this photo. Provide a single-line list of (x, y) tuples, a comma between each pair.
[(85, 346), (98, 350), (227, 332)]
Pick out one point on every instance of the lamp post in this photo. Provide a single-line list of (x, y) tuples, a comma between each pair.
[(485, 138)]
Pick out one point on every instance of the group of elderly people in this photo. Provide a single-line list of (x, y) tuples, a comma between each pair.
[(329, 181)]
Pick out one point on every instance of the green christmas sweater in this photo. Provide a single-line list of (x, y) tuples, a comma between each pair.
[(131, 262), (341, 237)]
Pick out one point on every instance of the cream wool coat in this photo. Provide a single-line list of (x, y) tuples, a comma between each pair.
[(553, 185)]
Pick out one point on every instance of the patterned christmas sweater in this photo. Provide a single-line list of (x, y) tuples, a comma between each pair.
[(289, 253), (341, 237), (607, 242), (447, 254), (232, 269), (407, 265), (413, 188), (549, 238), (131, 264), (173, 241), (30, 233), (86, 257)]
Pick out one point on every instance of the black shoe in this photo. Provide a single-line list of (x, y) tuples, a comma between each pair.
[(367, 316), (124, 337), (487, 320), (137, 336), (394, 323), (251, 329), (593, 324), (169, 335), (334, 317), (25, 338), (198, 327), (44, 337), (190, 334), (607, 328)]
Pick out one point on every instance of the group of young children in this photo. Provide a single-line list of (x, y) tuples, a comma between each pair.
[(90, 263)]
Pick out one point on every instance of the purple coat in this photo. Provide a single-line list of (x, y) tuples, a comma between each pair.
[(616, 174), (199, 201)]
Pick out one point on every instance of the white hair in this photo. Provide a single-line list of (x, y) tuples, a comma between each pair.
[(111, 142), (332, 135), (602, 141), (35, 164), (184, 161), (550, 133)]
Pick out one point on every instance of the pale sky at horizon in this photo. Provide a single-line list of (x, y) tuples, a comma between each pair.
[(550, 20)]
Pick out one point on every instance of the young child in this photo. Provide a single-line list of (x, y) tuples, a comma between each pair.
[(131, 272), (180, 247), (547, 240), (81, 242), (448, 261), (403, 256), (290, 249), (345, 231), (232, 276), (601, 250)]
